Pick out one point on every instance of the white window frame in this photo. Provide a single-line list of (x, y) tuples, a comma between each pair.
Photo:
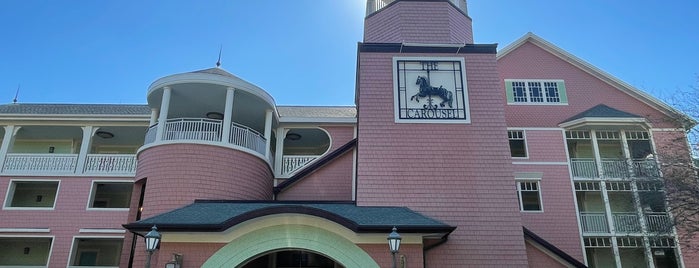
[(74, 254), (53, 242), (524, 138), (528, 92), (10, 194), (533, 177), (93, 192)]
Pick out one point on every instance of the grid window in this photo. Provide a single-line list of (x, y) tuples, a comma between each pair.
[(536, 91), (529, 195), (518, 145)]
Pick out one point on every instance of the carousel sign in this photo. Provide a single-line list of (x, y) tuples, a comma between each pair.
[(430, 90)]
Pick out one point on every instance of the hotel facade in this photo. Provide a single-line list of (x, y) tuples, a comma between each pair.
[(479, 156)]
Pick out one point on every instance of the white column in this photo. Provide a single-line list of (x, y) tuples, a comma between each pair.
[(228, 115), (7, 141), (88, 133), (268, 132), (605, 198), (164, 108), (279, 152), (153, 117)]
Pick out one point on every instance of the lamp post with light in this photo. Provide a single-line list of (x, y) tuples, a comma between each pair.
[(394, 244), (152, 240)]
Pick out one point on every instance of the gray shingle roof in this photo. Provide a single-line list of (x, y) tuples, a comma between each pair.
[(317, 111), (603, 111), (217, 71), (75, 109), (218, 215)]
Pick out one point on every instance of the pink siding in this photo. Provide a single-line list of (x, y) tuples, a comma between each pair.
[(537, 258), (193, 254), (381, 254), (68, 217), (332, 182), (457, 173), (339, 135), (545, 146), (180, 173), (584, 90), (418, 22), (558, 223)]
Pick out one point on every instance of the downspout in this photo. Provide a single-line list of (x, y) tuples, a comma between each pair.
[(138, 217), (428, 248)]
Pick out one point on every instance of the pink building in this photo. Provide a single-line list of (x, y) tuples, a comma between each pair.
[(522, 157)]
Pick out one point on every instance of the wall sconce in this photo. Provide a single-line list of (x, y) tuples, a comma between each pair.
[(104, 134), (293, 136), (176, 261), (214, 115)]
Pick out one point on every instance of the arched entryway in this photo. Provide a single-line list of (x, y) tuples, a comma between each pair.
[(292, 258), (283, 238)]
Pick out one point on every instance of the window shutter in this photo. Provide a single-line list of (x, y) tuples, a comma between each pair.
[(508, 91), (562, 91)]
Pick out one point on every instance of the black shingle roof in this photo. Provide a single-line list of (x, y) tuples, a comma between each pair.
[(219, 215), (67, 109), (603, 111)]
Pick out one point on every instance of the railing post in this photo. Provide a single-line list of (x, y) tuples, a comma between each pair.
[(281, 133), (7, 141), (268, 133), (162, 118), (88, 133)]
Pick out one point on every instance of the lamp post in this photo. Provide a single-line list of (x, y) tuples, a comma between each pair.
[(152, 240), (394, 244)]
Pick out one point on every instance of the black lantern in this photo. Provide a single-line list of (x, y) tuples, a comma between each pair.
[(152, 241), (394, 244)]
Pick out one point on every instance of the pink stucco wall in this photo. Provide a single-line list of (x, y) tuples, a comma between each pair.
[(178, 174), (457, 173), (418, 22), (65, 221), (584, 90)]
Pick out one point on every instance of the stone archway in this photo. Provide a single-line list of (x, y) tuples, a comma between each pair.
[(281, 237)]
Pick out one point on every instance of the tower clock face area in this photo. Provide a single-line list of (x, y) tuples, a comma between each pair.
[(430, 90)]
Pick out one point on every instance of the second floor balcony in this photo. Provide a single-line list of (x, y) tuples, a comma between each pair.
[(589, 168), (594, 223)]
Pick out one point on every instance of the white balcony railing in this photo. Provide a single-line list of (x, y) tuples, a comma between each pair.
[(645, 168), (626, 222), (202, 129), (614, 168), (110, 163), (292, 163), (584, 167), (594, 222), (53, 163), (658, 222)]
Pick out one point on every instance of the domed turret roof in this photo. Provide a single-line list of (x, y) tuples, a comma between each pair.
[(216, 71)]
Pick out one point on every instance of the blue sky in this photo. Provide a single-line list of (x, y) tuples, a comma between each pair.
[(303, 52)]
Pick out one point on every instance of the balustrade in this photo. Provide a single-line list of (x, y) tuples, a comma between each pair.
[(110, 163), (594, 222), (658, 222), (626, 222), (292, 163), (586, 168)]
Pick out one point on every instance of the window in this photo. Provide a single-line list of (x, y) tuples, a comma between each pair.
[(24, 251), (535, 91), (110, 194), (32, 194), (96, 252), (529, 195), (518, 145)]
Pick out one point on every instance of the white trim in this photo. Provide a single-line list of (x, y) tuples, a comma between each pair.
[(599, 121), (668, 129), (538, 191), (527, 92), (528, 175), (11, 187), (464, 80), (526, 145), (71, 254), (549, 253), (90, 199), (539, 163), (575, 197), (48, 259), (212, 143), (342, 120), (103, 231), (25, 230), (535, 128)]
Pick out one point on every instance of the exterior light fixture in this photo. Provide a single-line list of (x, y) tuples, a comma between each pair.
[(104, 134), (293, 136), (176, 261), (214, 115), (394, 244), (152, 241)]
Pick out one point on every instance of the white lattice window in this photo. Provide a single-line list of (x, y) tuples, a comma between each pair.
[(518, 144), (529, 195), (535, 91)]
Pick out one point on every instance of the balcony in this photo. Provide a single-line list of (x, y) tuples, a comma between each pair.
[(96, 164), (626, 222), (594, 222), (658, 222), (586, 168), (208, 130), (292, 163)]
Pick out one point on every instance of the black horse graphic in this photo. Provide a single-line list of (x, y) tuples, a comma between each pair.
[(427, 90)]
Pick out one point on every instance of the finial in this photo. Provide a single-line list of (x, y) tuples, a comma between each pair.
[(16, 94), (218, 63)]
